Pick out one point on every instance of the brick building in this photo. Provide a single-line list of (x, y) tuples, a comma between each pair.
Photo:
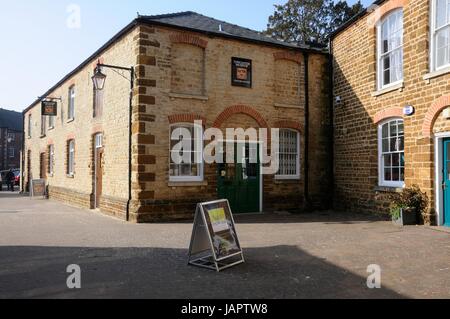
[(392, 97), (185, 68), (11, 129)]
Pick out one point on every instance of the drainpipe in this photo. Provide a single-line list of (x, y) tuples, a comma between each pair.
[(22, 173), (306, 190), (331, 138), (130, 145)]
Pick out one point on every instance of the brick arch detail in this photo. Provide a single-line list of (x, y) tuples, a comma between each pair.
[(432, 114), (186, 38), (289, 125), (70, 136), (380, 12), (97, 129), (186, 118), (240, 109), (50, 142), (388, 113), (290, 56)]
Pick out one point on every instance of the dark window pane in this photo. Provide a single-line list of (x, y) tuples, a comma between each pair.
[(396, 174), (387, 174), (388, 160), (396, 160)]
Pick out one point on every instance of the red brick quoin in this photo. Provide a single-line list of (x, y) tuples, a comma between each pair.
[(388, 113), (240, 109), (186, 38), (433, 112)]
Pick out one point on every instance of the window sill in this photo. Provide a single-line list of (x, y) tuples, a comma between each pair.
[(42, 136), (287, 180), (187, 184), (70, 120), (427, 77), (388, 189), (70, 176), (396, 87), (51, 128), (288, 106), (188, 96)]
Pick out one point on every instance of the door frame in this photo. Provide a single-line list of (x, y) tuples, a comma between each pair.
[(438, 167), (261, 184), (96, 150)]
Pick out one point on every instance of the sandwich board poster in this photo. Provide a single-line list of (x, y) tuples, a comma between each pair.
[(215, 243), (38, 188)]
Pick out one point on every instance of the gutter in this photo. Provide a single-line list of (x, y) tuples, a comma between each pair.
[(306, 189), (22, 173), (331, 139)]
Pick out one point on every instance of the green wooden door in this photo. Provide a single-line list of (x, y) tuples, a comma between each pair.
[(240, 182), (446, 182)]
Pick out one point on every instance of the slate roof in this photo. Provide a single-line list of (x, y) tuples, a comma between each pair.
[(11, 120), (197, 22), (188, 21)]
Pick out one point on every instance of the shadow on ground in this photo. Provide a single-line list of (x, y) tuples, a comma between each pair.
[(272, 272)]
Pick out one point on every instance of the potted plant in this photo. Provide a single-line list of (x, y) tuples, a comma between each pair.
[(408, 206)]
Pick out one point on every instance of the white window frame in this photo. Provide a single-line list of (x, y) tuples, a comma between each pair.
[(181, 179), (433, 32), (51, 122), (380, 55), (297, 175), (43, 125), (71, 158), (381, 181), (51, 159), (71, 106)]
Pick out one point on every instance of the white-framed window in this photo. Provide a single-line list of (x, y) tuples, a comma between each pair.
[(51, 158), (71, 158), (51, 122), (391, 144), (440, 35), (99, 140), (289, 155), (71, 105), (390, 49), (11, 152), (11, 137), (43, 125), (192, 135)]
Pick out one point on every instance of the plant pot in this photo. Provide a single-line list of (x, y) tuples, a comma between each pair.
[(408, 216)]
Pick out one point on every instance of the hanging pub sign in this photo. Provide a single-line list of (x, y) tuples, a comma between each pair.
[(241, 72), (49, 108), (215, 244)]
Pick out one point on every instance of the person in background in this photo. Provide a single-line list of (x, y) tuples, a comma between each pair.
[(10, 179)]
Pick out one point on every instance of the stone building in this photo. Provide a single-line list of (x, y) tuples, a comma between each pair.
[(10, 139), (391, 111), (188, 67)]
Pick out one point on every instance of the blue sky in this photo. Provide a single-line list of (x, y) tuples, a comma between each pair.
[(38, 48)]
